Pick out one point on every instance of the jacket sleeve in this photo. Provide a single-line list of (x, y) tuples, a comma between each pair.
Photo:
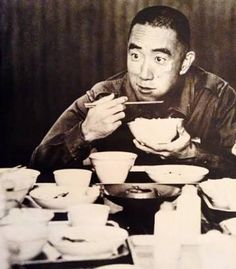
[(63, 145), (220, 158)]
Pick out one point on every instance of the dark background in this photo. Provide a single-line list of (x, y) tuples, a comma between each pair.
[(52, 51)]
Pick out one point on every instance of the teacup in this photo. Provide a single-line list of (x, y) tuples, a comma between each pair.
[(88, 215), (73, 177)]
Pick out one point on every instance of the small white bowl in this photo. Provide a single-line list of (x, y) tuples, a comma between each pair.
[(88, 241), (112, 166), (176, 173), (25, 241), (17, 184), (61, 197), (27, 216), (73, 177), (88, 214)]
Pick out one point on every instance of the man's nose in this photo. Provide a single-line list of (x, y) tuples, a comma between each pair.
[(146, 72)]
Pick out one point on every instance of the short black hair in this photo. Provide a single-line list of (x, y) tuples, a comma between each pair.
[(167, 17)]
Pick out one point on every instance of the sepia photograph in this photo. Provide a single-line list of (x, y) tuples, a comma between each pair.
[(118, 134)]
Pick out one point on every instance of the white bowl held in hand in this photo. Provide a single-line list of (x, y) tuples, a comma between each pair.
[(25, 241), (112, 166), (73, 177), (176, 173), (154, 131), (83, 241), (61, 197)]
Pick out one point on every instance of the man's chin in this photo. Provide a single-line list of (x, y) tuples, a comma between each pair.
[(148, 95)]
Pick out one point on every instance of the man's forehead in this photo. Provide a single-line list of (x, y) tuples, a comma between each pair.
[(152, 36)]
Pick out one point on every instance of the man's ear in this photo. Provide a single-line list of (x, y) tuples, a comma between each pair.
[(187, 62)]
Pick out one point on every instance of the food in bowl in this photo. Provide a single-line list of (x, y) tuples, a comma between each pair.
[(154, 131), (176, 173), (25, 241), (61, 197), (73, 177), (17, 184), (112, 166), (91, 241)]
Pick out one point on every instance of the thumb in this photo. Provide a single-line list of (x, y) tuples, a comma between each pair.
[(181, 130)]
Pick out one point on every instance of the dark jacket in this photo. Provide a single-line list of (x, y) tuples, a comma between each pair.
[(204, 100)]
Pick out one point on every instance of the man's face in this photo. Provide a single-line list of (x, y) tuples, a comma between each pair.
[(154, 61)]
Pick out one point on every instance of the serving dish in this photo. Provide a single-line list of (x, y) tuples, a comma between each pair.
[(87, 241), (140, 198), (177, 173), (61, 197), (51, 258)]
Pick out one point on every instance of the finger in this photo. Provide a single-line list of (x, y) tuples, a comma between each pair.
[(177, 145), (116, 117), (143, 147), (183, 141), (180, 129), (115, 102), (105, 112), (116, 125), (116, 109), (104, 99)]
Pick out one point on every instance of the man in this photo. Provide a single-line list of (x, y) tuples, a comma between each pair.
[(159, 61)]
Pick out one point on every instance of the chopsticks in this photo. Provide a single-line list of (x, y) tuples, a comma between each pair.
[(91, 105)]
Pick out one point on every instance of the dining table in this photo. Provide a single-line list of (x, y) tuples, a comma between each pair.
[(139, 222)]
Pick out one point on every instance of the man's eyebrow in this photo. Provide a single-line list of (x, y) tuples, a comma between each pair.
[(163, 50), (133, 46)]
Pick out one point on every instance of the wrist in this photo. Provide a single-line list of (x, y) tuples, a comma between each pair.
[(192, 151), (85, 133)]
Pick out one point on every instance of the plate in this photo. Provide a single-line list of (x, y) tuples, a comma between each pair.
[(140, 168), (85, 242), (61, 197), (176, 173)]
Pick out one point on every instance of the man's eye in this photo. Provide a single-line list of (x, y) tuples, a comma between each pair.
[(160, 60), (135, 56)]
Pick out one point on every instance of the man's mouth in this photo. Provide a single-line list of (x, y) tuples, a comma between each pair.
[(146, 90)]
